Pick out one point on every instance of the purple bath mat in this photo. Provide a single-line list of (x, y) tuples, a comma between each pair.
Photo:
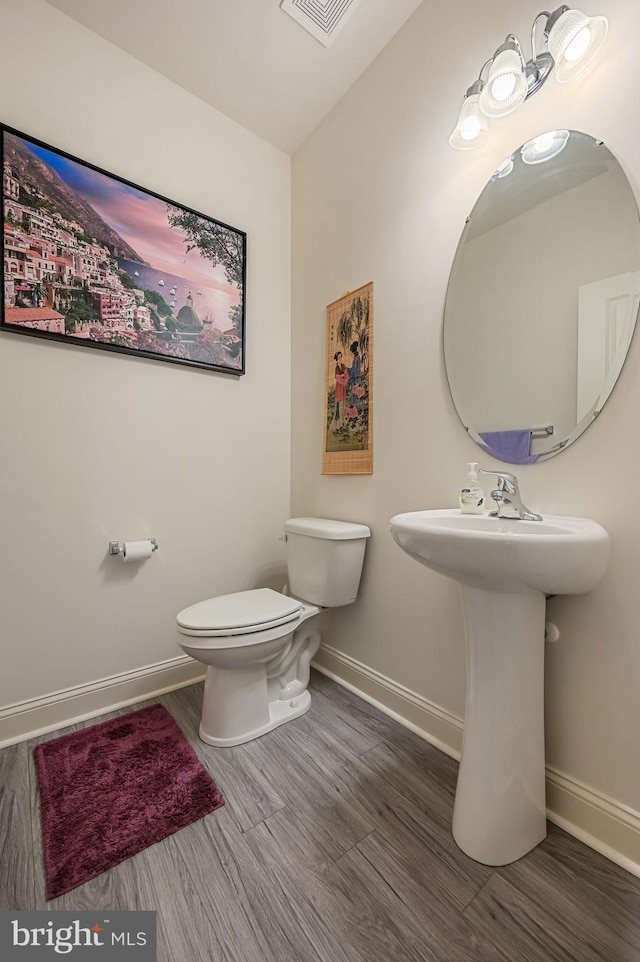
[(109, 791)]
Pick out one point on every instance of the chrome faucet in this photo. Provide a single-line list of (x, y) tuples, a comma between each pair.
[(507, 497)]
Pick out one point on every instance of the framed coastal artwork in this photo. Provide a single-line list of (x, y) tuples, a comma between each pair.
[(348, 417), (93, 260)]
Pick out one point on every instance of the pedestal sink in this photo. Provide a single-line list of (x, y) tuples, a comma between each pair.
[(506, 568)]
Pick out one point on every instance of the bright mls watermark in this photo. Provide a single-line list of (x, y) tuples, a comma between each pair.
[(79, 936)]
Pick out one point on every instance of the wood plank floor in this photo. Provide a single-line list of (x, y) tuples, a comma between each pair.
[(334, 846)]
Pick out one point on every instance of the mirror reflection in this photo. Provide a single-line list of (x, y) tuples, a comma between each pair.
[(543, 297)]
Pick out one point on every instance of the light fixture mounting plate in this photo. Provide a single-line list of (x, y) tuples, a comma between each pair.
[(537, 71)]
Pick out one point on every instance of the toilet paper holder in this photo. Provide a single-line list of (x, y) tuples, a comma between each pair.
[(116, 548)]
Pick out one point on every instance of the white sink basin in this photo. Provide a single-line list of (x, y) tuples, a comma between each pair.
[(505, 568), (555, 556)]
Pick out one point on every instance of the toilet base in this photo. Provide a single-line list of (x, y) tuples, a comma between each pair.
[(279, 713)]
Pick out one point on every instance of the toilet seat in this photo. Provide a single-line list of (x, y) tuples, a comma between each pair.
[(240, 613)]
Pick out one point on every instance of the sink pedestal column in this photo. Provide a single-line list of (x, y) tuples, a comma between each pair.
[(500, 810)]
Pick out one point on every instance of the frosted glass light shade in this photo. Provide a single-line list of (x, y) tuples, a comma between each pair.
[(544, 146), (472, 129), (505, 168), (506, 85), (574, 41)]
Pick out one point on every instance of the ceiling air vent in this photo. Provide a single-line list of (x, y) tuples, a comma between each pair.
[(323, 19)]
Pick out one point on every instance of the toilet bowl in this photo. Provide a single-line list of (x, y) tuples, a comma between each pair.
[(258, 644)]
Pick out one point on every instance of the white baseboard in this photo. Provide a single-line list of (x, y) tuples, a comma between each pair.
[(602, 823), (59, 709), (608, 826), (431, 722)]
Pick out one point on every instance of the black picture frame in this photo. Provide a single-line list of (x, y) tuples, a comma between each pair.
[(90, 258)]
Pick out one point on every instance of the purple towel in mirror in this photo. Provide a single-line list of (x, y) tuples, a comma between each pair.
[(514, 446)]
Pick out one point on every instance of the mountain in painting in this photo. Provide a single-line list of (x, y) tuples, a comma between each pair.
[(33, 170)]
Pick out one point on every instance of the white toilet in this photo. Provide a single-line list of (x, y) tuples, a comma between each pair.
[(258, 644)]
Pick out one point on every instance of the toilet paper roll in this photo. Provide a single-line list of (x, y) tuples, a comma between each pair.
[(136, 550)]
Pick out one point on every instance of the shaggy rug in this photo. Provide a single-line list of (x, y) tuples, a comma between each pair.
[(109, 791)]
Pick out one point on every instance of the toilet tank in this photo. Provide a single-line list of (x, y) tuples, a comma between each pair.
[(324, 560)]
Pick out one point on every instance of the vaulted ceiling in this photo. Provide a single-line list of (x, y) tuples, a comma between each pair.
[(248, 58)]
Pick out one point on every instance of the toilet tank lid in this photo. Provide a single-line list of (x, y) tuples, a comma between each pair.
[(323, 528)]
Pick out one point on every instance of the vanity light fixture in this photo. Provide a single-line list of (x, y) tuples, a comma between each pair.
[(573, 39)]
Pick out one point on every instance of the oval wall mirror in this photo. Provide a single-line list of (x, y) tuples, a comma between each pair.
[(543, 297)]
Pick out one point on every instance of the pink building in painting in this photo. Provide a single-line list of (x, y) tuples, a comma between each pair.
[(111, 307), (41, 263), (142, 315), (63, 268)]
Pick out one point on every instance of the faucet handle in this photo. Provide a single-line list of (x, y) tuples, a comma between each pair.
[(506, 482)]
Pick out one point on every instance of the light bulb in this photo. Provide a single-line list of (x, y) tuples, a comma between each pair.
[(543, 142), (502, 87), (578, 45), (472, 129), (544, 146), (506, 86)]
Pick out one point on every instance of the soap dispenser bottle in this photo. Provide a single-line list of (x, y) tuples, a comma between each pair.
[(471, 494)]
